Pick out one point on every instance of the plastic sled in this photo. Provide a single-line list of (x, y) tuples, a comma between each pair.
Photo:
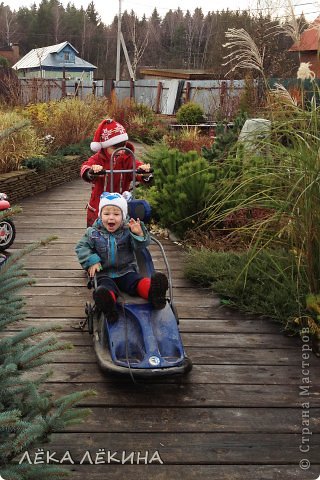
[(144, 341)]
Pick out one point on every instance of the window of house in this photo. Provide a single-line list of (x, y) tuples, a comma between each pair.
[(66, 56)]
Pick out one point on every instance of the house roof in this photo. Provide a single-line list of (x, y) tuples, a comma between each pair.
[(46, 57), (182, 73), (309, 40)]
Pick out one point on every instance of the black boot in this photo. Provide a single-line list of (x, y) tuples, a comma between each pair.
[(157, 292), (105, 302)]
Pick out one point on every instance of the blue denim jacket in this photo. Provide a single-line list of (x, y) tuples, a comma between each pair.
[(115, 251)]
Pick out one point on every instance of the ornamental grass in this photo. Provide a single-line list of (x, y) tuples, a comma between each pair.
[(18, 140)]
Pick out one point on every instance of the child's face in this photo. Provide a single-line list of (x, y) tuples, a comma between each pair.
[(111, 149), (111, 218)]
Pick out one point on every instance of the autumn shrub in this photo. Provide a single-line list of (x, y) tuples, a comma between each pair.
[(18, 140), (9, 87), (190, 114), (139, 120), (188, 139), (125, 109), (69, 121), (142, 129)]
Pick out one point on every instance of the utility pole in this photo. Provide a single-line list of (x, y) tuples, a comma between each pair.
[(118, 44)]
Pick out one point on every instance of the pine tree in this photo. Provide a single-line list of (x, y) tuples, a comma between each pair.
[(28, 414), (187, 178), (225, 139)]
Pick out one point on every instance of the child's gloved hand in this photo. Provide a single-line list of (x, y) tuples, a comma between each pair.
[(145, 167), (135, 227), (96, 168), (94, 268)]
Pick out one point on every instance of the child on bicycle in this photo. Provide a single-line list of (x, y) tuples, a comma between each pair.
[(107, 251), (109, 136)]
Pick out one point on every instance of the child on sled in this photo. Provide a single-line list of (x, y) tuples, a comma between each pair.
[(107, 251)]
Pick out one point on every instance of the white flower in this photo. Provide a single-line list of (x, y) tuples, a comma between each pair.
[(304, 72)]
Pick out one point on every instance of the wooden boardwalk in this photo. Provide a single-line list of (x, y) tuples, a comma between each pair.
[(237, 416)]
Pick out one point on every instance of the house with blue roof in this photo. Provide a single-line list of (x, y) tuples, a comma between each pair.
[(55, 62)]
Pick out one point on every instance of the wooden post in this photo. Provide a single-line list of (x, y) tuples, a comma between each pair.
[(131, 89), (158, 98), (223, 92), (113, 91), (188, 89), (63, 88)]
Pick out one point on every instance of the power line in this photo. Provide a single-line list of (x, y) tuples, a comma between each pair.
[(219, 11)]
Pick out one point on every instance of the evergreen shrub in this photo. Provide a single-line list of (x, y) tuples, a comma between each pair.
[(182, 186), (261, 285), (43, 164), (190, 114), (225, 139), (80, 148), (4, 62)]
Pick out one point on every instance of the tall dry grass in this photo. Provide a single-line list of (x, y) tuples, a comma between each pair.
[(69, 121), (18, 141)]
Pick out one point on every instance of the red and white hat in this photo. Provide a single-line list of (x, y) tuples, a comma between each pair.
[(108, 133)]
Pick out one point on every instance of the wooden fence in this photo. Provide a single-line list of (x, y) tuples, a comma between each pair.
[(166, 96), (34, 90)]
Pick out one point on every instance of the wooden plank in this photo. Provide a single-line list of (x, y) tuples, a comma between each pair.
[(202, 448), (61, 249), (71, 262), (73, 309), (171, 395), (196, 419), (206, 356), (211, 356), (197, 340), (39, 290), (51, 278), (193, 472), (186, 325), (204, 374)]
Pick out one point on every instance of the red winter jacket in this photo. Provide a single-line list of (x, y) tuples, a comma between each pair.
[(121, 162)]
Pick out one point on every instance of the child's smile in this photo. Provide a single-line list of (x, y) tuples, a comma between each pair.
[(111, 218)]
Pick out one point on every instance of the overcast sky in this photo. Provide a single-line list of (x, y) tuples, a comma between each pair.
[(107, 9)]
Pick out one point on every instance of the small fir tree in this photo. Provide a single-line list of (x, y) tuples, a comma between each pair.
[(225, 139), (28, 414)]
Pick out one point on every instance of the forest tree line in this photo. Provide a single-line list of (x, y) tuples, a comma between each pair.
[(178, 40)]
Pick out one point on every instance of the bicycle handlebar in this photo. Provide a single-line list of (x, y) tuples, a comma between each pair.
[(138, 171), (134, 170)]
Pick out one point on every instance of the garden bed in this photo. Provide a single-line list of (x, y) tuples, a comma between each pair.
[(27, 182)]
